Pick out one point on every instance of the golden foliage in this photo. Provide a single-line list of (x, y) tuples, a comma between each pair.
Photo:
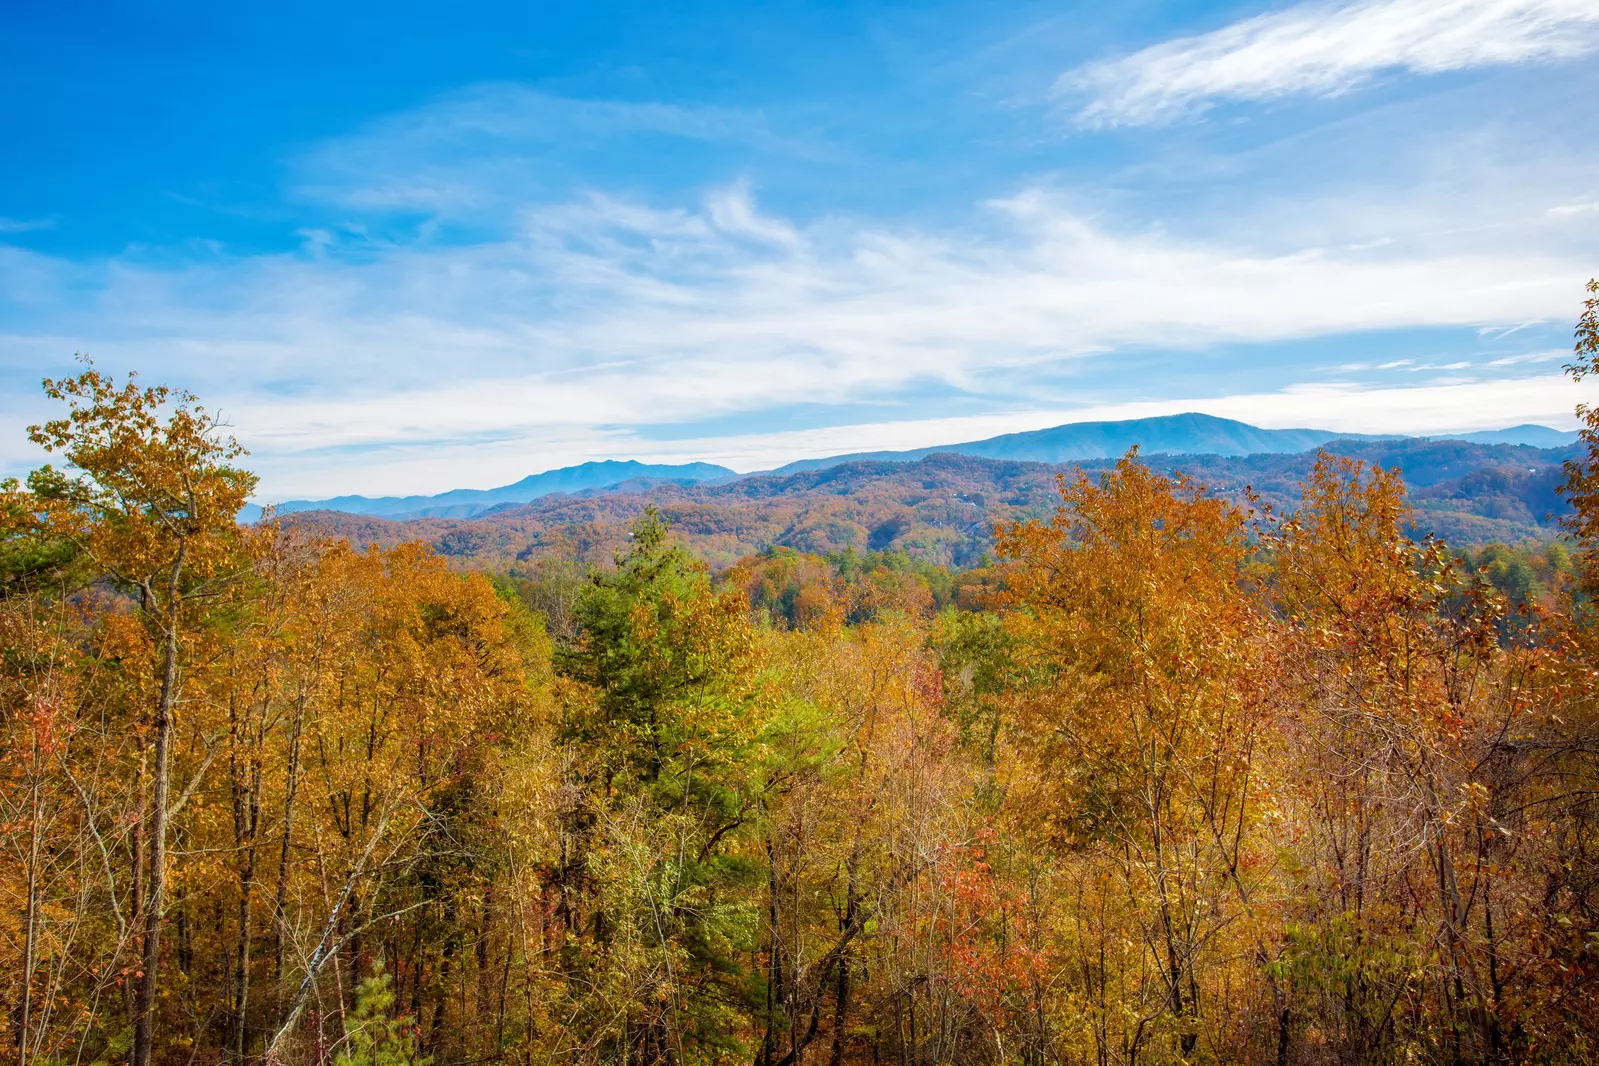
[(1175, 782)]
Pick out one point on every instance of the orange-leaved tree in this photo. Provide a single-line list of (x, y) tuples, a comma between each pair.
[(151, 504), (1132, 622)]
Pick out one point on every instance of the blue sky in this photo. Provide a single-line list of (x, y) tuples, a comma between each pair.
[(411, 247)]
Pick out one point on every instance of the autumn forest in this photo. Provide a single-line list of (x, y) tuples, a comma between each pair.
[(1176, 777)]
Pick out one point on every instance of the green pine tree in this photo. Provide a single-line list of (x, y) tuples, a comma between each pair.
[(372, 1035)]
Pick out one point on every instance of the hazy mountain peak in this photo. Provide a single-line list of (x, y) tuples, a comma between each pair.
[(1529, 434), (465, 503), (1189, 433)]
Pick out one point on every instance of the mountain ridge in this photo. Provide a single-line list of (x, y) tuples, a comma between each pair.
[(465, 503), (944, 508), (1526, 433), (1190, 433)]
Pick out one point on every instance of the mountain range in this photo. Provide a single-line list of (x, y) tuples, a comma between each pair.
[(465, 503), (1183, 434), (944, 508)]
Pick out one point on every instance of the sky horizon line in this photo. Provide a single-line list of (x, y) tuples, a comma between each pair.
[(1444, 434)]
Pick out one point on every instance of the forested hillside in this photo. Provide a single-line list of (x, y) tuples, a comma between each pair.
[(1164, 782), (943, 509)]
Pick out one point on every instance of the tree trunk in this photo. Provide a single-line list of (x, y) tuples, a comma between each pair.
[(30, 939), (136, 889), (281, 898), (775, 993), (149, 983), (247, 817), (841, 988)]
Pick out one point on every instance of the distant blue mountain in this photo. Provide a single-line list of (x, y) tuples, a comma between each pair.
[(464, 503), (1186, 434), (1533, 436)]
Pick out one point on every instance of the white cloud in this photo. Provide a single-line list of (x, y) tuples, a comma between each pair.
[(733, 211), (1548, 356), (1324, 49), (388, 368)]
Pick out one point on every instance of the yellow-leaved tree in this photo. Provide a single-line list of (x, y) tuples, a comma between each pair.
[(150, 501), (1141, 723)]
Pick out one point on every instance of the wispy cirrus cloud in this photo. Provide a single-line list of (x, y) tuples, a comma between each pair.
[(1325, 49), (492, 145)]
